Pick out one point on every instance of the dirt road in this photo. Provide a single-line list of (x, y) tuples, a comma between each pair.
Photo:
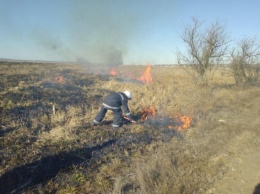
[(243, 152), (244, 177)]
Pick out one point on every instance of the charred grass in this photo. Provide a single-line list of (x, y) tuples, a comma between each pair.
[(48, 145)]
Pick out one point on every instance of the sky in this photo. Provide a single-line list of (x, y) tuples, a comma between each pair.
[(114, 31)]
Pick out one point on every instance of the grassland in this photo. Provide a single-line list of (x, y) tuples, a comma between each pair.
[(48, 145)]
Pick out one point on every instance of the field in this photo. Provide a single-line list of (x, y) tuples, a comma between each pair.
[(188, 139)]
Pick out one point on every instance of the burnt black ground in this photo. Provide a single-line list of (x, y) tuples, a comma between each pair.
[(39, 172), (41, 94)]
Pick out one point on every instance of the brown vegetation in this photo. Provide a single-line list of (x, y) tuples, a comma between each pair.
[(205, 50), (47, 142)]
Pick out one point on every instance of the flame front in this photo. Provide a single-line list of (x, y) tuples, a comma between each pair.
[(147, 113), (59, 79), (146, 77), (177, 122), (184, 122), (113, 72)]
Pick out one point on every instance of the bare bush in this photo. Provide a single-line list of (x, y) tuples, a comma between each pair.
[(245, 62), (205, 50)]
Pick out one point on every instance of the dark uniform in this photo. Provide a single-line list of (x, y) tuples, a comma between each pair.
[(114, 101)]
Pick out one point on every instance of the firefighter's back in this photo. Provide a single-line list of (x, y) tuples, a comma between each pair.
[(113, 99)]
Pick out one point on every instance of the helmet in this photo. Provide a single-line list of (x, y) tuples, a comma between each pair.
[(128, 94)]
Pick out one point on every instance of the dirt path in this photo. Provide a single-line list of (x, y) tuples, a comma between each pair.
[(243, 178)]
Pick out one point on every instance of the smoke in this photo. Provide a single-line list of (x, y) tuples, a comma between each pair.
[(95, 33), (100, 30)]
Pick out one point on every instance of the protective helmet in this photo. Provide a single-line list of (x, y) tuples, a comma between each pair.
[(128, 94)]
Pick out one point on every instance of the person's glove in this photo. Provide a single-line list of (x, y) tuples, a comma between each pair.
[(133, 121)]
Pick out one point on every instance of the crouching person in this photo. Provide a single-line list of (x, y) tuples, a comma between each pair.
[(114, 101)]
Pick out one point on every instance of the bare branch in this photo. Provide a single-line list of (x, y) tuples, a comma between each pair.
[(245, 61), (205, 49)]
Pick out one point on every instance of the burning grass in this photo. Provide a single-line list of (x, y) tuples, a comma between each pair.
[(178, 122), (178, 144), (145, 78)]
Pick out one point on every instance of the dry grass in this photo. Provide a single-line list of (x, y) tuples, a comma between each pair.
[(208, 150), (81, 158)]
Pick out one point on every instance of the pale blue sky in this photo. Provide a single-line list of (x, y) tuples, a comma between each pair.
[(113, 31)]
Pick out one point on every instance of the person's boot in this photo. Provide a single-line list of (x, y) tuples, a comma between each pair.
[(116, 126), (95, 123)]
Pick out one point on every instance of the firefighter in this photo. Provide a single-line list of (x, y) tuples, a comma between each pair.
[(114, 101)]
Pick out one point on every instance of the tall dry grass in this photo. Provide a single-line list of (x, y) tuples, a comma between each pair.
[(224, 121), (192, 164), (171, 91)]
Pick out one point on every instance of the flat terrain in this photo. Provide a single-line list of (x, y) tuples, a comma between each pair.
[(187, 139), (244, 168)]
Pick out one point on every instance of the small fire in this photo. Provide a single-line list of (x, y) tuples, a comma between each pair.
[(113, 72), (147, 113), (177, 122), (146, 77), (184, 122), (59, 79)]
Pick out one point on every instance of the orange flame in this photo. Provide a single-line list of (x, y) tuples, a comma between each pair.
[(147, 113), (146, 77), (113, 72), (184, 122), (59, 79), (178, 122)]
